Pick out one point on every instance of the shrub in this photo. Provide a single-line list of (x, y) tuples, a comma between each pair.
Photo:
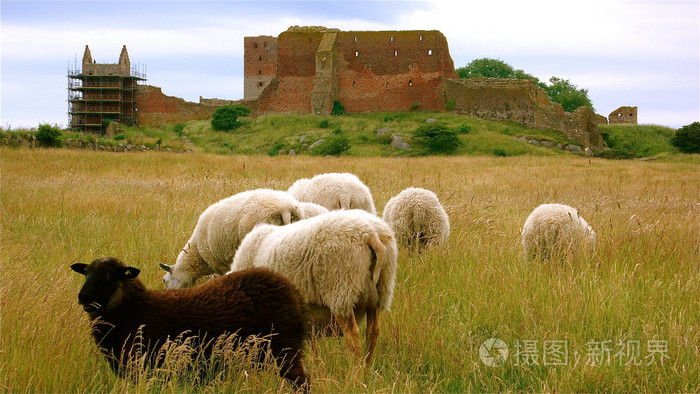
[(324, 124), (179, 129), (334, 145), (226, 117), (450, 104), (337, 131), (436, 138), (687, 138), (274, 149), (500, 152), (49, 136), (464, 129), (119, 137), (615, 154), (338, 108)]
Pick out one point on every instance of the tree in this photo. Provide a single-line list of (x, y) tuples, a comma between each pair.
[(687, 138), (436, 138), (226, 117), (568, 95), (492, 68), (49, 136)]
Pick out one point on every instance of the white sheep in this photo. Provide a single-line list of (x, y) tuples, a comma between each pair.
[(343, 263), (309, 209), (552, 229), (221, 228), (334, 191), (416, 216)]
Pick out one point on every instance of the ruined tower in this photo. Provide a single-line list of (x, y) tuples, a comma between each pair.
[(305, 69), (100, 93)]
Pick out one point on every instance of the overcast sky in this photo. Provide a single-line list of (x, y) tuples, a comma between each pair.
[(624, 52)]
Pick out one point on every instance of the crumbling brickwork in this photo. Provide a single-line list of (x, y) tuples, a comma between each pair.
[(157, 109), (364, 70), (623, 115), (523, 102)]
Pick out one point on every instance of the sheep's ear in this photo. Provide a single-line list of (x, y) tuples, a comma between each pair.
[(130, 272), (79, 268), (165, 267)]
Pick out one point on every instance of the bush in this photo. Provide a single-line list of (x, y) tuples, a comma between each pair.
[(464, 129), (179, 129), (687, 138), (324, 124), (274, 149), (450, 104), (334, 145), (338, 108), (615, 154), (226, 117), (49, 136), (500, 152), (436, 138), (337, 131)]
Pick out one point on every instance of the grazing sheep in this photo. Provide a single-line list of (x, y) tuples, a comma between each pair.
[(341, 261), (309, 209), (220, 229), (417, 216), (554, 228), (129, 320), (334, 191)]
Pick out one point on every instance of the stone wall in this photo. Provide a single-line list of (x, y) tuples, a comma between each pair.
[(623, 115), (522, 102), (364, 70), (157, 109)]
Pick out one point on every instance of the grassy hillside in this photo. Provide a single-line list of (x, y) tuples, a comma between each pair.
[(285, 132), (628, 314), (639, 140)]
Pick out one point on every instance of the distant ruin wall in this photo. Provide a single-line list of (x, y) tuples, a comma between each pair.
[(522, 102), (156, 109), (623, 115), (364, 70)]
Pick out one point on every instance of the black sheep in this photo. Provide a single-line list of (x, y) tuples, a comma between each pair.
[(252, 302)]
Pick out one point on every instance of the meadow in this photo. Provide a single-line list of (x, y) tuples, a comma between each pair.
[(625, 318)]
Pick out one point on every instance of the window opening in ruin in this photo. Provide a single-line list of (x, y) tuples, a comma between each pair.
[(259, 72), (396, 53), (387, 85), (430, 52), (357, 53), (259, 83), (259, 57), (410, 83), (353, 84), (255, 45), (391, 39), (265, 44), (413, 66), (420, 38), (355, 39)]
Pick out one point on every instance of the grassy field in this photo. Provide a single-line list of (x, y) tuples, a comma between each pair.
[(628, 316)]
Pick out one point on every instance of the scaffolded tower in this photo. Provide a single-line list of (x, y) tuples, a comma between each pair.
[(102, 93)]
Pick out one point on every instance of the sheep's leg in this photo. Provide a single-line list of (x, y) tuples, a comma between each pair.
[(371, 334), (351, 332), (297, 375)]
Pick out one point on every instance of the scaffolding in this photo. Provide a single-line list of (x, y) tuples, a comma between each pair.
[(94, 101)]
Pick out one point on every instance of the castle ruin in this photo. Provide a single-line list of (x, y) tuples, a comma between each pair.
[(305, 70), (100, 93)]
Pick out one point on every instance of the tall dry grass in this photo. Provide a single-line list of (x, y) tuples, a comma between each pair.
[(642, 284)]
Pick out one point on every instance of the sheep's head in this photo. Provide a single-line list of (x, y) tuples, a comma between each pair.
[(174, 277), (104, 280)]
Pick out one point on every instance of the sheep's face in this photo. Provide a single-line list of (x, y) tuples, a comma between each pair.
[(104, 279), (174, 278)]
